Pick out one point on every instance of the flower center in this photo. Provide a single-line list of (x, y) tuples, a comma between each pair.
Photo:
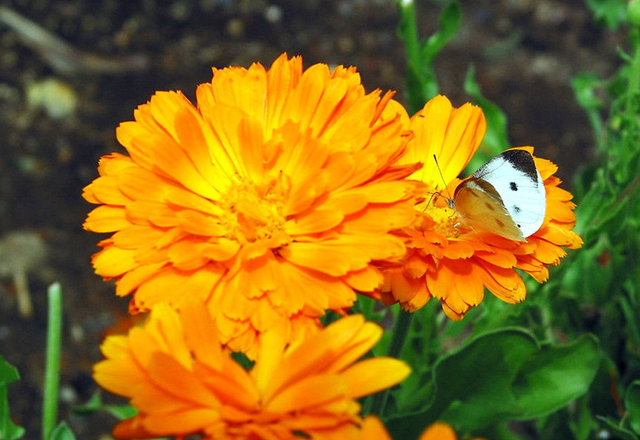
[(447, 221), (254, 213)]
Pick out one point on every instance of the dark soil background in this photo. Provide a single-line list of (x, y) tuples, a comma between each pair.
[(525, 53)]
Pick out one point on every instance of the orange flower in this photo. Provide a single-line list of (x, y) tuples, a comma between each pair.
[(440, 431), (182, 382), (270, 200), (373, 429), (455, 263)]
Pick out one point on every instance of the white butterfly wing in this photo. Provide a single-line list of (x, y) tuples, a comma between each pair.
[(515, 177)]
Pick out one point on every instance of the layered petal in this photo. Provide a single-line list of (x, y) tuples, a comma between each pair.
[(450, 261), (278, 192), (182, 381)]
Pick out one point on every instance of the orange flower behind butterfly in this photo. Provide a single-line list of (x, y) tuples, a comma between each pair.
[(182, 382), (373, 429), (451, 261), (270, 200)]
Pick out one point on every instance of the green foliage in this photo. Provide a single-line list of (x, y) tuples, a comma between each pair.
[(8, 375), (496, 140), (617, 430), (422, 83), (501, 376), (633, 13), (604, 274), (632, 404), (62, 432), (95, 404), (608, 12)]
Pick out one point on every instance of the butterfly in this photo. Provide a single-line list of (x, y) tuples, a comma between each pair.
[(505, 196)]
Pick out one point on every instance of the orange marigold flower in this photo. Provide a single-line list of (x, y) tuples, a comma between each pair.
[(440, 431), (450, 261), (270, 200), (371, 428), (182, 381)]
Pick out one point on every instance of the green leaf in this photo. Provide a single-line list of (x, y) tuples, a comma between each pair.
[(8, 375), (95, 404), (620, 433), (555, 376), (372, 309), (496, 140), (472, 384), (473, 387), (62, 432), (584, 422), (608, 12), (632, 404), (498, 432), (422, 84), (584, 88), (501, 376), (450, 20)]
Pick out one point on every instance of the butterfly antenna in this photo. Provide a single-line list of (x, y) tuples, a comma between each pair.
[(439, 170), (436, 192), (441, 176), (449, 198)]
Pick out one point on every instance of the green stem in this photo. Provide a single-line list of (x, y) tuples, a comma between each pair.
[(409, 31), (633, 88), (400, 333), (52, 371), (634, 77), (632, 327)]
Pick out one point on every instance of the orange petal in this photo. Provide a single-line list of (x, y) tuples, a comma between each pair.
[(375, 374), (106, 218), (439, 431)]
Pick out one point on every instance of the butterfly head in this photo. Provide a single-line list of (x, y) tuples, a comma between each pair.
[(504, 197)]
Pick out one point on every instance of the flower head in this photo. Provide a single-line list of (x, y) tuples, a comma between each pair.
[(370, 428), (440, 431), (451, 261), (270, 200), (181, 380)]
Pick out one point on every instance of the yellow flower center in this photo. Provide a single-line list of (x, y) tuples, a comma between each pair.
[(447, 221), (254, 213)]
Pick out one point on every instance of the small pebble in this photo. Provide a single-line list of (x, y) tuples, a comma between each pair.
[(235, 28), (273, 13), (55, 97)]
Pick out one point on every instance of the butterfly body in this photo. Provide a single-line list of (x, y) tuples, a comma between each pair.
[(505, 196)]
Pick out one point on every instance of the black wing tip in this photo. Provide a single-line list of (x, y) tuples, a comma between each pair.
[(522, 161)]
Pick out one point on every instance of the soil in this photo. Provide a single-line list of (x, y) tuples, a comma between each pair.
[(525, 53)]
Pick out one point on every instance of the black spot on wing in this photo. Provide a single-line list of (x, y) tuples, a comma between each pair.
[(513, 186), (522, 161), (516, 209)]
